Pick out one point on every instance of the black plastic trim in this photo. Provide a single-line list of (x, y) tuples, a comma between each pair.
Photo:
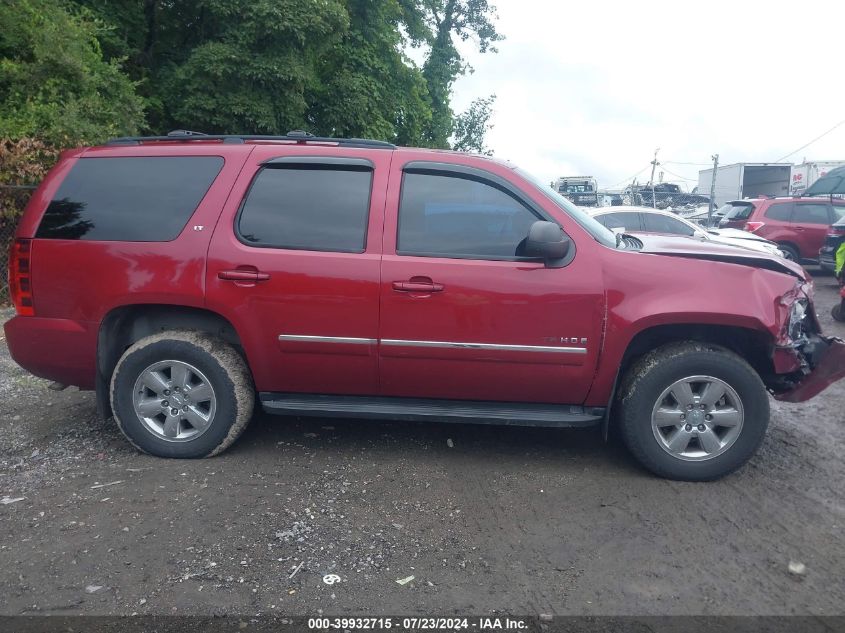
[(321, 162), (420, 409)]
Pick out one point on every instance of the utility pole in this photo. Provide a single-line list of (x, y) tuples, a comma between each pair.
[(654, 165), (711, 208)]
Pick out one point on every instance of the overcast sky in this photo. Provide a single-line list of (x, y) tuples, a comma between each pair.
[(594, 87)]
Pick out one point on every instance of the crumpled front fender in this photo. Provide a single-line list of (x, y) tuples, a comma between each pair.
[(828, 366)]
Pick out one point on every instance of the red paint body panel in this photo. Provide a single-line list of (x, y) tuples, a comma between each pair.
[(828, 371), (522, 312), (309, 293)]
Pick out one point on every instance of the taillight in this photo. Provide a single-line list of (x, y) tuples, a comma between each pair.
[(751, 227), (20, 277)]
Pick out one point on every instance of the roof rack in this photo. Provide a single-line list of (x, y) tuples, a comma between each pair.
[(297, 136)]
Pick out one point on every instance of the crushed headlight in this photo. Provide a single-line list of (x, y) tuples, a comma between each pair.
[(797, 320)]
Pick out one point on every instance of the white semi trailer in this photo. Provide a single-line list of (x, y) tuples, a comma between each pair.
[(807, 173), (746, 180)]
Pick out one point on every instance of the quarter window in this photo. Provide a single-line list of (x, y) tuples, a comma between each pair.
[(459, 216), (308, 207), (137, 199)]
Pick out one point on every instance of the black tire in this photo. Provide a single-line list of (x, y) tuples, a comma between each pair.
[(226, 372), (836, 313), (647, 379), (790, 252)]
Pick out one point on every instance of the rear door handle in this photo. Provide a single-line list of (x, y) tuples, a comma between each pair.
[(423, 285), (243, 275)]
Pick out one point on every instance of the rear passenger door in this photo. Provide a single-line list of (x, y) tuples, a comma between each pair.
[(810, 221), (294, 265)]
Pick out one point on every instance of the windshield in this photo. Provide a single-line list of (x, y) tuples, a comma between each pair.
[(601, 234)]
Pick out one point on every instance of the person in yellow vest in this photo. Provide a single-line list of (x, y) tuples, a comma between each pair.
[(839, 270)]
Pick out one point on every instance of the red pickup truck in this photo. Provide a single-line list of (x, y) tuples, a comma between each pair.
[(186, 278)]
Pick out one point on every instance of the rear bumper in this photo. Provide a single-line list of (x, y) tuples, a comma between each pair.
[(55, 349), (829, 367)]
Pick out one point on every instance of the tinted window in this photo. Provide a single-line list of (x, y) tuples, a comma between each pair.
[(811, 214), (626, 221), (838, 212), (456, 216), (308, 207), (145, 199), (781, 211), (737, 210), (656, 223)]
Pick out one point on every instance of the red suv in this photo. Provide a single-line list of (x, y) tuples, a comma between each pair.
[(798, 225), (187, 278)]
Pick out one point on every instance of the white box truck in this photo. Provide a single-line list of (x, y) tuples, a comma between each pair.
[(746, 180), (808, 172)]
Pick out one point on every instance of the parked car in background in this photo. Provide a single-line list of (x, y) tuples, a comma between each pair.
[(797, 225), (581, 190), (646, 220), (833, 240), (187, 279)]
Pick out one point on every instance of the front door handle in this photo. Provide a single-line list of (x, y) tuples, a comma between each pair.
[(422, 285), (241, 274)]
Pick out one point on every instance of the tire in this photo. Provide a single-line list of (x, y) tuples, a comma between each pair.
[(190, 366), (715, 451), (836, 312), (790, 252)]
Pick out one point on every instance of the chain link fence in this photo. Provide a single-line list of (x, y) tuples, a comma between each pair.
[(14, 199)]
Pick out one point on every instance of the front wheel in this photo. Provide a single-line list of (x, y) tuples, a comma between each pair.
[(789, 252), (182, 394), (692, 411)]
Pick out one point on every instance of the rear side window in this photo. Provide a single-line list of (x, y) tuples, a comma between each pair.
[(838, 213), (781, 211), (811, 214), (139, 199), (626, 221), (656, 223), (309, 207), (461, 217)]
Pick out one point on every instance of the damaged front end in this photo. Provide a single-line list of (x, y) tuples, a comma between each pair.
[(805, 362)]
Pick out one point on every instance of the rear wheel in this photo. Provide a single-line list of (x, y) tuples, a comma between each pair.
[(836, 313), (789, 252), (692, 411), (182, 394)]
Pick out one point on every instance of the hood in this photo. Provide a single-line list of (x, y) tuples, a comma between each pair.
[(738, 234), (713, 251)]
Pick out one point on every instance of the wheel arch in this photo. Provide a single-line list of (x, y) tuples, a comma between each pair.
[(124, 325), (754, 346)]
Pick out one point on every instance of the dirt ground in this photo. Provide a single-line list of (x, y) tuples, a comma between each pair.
[(497, 519)]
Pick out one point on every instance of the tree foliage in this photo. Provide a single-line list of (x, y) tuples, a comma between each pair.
[(471, 126), (54, 82), (80, 70)]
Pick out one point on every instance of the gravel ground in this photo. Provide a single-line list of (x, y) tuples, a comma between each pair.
[(485, 519)]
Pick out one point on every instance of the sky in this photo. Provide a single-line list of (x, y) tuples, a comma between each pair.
[(594, 87)]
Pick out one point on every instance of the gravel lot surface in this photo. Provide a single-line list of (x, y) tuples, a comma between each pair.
[(484, 519)]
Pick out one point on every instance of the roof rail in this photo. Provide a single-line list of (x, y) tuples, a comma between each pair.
[(297, 136)]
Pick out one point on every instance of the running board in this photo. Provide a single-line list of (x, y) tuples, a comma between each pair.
[(416, 409)]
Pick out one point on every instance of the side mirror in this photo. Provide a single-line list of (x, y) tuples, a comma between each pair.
[(546, 240), (701, 235)]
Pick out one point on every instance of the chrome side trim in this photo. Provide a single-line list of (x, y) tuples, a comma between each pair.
[(301, 338), (485, 346)]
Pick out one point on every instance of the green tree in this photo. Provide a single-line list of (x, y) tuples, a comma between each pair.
[(471, 126), (447, 20), (54, 82), (367, 87)]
